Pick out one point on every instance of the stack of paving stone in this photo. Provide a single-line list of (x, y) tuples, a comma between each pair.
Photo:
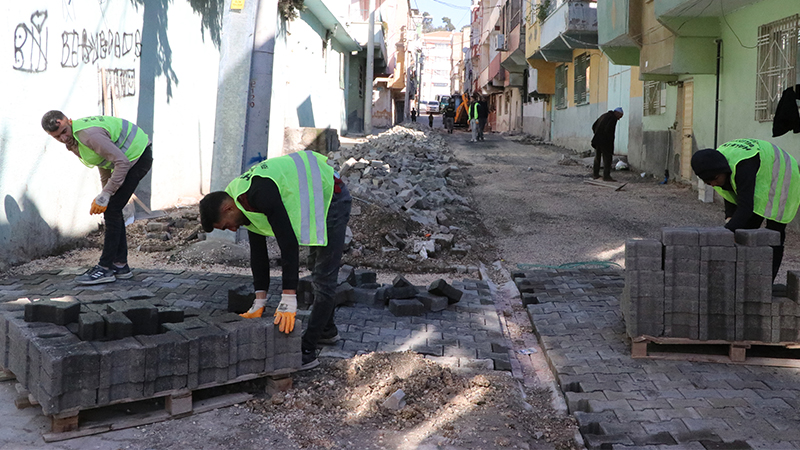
[(707, 284), (133, 350)]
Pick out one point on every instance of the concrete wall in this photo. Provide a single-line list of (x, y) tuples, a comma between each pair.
[(310, 93), (161, 58)]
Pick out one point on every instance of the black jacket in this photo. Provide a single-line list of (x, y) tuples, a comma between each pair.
[(786, 115), (604, 129)]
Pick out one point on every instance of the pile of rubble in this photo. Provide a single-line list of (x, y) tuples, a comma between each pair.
[(411, 176)]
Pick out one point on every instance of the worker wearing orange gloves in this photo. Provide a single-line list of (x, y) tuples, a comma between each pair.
[(299, 199), (123, 153)]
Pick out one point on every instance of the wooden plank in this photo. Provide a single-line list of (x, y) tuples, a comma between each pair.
[(639, 350), (222, 401), (7, 375), (608, 184), (737, 351)]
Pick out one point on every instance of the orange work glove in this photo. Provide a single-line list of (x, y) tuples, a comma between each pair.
[(286, 313), (100, 203)]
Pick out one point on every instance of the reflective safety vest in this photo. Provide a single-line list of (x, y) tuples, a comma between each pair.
[(128, 137), (777, 190), (305, 182), (473, 111)]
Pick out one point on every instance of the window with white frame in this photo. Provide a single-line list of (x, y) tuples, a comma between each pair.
[(777, 64), (561, 86), (655, 98), (582, 71)]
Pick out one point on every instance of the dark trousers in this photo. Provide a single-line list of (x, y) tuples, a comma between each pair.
[(325, 263), (777, 250), (607, 154), (481, 126), (115, 244)]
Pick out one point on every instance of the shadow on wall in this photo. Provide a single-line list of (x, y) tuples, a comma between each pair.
[(26, 236), (156, 61), (305, 113)]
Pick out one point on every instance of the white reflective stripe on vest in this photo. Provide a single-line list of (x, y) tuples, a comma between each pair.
[(305, 199), (787, 181)]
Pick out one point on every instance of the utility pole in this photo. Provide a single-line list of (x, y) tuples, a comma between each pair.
[(370, 70)]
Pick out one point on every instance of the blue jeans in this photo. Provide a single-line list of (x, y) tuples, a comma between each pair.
[(324, 262), (115, 244)]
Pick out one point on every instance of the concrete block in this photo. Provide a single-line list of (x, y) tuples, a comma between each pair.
[(681, 252), (361, 276), (91, 326), (793, 285), (56, 312), (170, 315), (685, 236), (400, 281), (716, 237), (681, 266), (758, 237), (121, 361), (406, 307), (718, 253), (644, 263), (240, 299), (441, 287), (118, 325), (643, 248), (432, 302), (143, 319), (401, 292), (364, 296), (344, 294)]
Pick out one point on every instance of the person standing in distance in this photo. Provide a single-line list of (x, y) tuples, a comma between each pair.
[(123, 153), (299, 199)]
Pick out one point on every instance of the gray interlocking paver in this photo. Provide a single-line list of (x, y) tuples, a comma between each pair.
[(688, 403)]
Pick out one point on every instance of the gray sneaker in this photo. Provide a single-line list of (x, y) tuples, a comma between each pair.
[(309, 360), (329, 341), (122, 273), (96, 275)]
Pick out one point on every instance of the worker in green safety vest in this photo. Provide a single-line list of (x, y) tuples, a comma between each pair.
[(473, 118), (300, 200), (123, 153), (758, 181)]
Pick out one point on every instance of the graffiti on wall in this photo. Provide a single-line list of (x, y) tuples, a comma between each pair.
[(119, 82), (89, 47), (30, 44)]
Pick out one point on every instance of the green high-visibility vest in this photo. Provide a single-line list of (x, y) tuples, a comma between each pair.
[(473, 111), (305, 181), (128, 137), (777, 190)]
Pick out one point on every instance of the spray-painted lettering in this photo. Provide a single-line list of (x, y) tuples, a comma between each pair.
[(30, 44), (88, 48)]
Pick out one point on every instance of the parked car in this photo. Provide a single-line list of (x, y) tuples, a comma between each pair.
[(433, 106), (423, 108)]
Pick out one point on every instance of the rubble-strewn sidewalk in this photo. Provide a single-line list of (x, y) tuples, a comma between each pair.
[(623, 403)]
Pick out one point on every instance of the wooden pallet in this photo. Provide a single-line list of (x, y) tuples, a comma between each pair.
[(176, 404), (780, 354)]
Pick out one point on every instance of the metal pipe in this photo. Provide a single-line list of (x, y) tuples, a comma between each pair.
[(716, 100), (370, 70)]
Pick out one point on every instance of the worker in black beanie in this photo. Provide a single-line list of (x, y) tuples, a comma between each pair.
[(752, 195)]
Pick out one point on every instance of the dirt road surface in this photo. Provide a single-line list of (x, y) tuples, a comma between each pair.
[(538, 211)]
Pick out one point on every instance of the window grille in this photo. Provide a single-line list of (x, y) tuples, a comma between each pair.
[(655, 98), (582, 70), (777, 64), (561, 86)]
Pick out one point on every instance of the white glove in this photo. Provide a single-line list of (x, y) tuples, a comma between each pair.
[(102, 199), (286, 312)]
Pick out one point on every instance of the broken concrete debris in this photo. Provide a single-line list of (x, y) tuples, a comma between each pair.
[(413, 173), (708, 284)]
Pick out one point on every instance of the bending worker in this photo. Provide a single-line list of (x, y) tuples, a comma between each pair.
[(299, 199), (123, 153), (758, 181)]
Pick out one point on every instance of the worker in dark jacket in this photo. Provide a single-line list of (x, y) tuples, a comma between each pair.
[(604, 129), (758, 181), (299, 199)]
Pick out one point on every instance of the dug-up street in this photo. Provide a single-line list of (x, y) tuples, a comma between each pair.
[(486, 372)]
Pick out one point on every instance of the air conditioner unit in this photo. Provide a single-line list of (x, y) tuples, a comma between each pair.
[(500, 42)]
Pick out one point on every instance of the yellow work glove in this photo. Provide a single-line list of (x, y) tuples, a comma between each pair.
[(100, 203), (286, 312)]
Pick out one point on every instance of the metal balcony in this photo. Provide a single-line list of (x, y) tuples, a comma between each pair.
[(571, 25)]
